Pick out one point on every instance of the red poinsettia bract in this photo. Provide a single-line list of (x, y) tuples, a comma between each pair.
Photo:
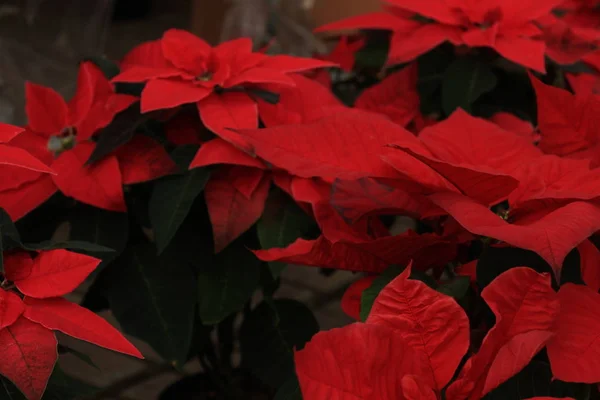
[(181, 68), (32, 308), (507, 27), (60, 134)]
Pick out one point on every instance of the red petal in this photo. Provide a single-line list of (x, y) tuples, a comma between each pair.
[(159, 94), (305, 102), (345, 145), (354, 362), (102, 113), (413, 388), (18, 266), (185, 50), (352, 297), (260, 75), (377, 20), (231, 214), (372, 256), (47, 112), (141, 73), (10, 155), (53, 273), (288, 64), (427, 320), (590, 264), (148, 54), (81, 102), (525, 306), (9, 132), (574, 351), (245, 180), (28, 356), (438, 10), (218, 151), (11, 308), (61, 315), (227, 111), (20, 201), (524, 51), (395, 96), (233, 49), (567, 122), (551, 236), (143, 159), (514, 124), (99, 184), (406, 45)]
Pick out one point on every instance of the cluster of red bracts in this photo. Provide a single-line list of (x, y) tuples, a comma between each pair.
[(345, 166)]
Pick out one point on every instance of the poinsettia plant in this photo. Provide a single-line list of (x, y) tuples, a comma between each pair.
[(446, 152)]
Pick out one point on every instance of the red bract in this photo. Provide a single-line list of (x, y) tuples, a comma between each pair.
[(411, 344), (182, 68), (525, 306), (395, 96), (508, 28), (60, 134), (26, 326)]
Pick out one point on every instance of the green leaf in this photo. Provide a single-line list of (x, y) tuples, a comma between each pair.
[(290, 390), (109, 68), (153, 298), (9, 236), (465, 80), (456, 288), (119, 132), (82, 356), (270, 333), (102, 228), (226, 284), (171, 201), (73, 245), (282, 222), (60, 387), (370, 294), (535, 380)]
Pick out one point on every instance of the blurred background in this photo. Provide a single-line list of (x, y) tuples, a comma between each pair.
[(42, 40)]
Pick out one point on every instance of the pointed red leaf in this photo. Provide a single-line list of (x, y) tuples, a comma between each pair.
[(513, 124), (415, 39), (567, 122), (29, 354), (231, 213), (218, 151), (100, 184), (574, 351), (524, 51), (142, 159), (344, 145), (185, 50), (413, 388), (590, 264), (372, 256), (359, 361), (427, 320), (377, 20), (148, 53), (10, 155), (52, 273), (395, 96), (9, 132), (223, 113), (526, 307), (289, 64), (351, 299), (61, 315), (11, 308), (19, 201), (161, 94), (47, 112), (260, 75), (551, 236), (81, 102), (438, 10)]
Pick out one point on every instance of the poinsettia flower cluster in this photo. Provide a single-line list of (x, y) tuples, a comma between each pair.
[(32, 309), (522, 32)]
